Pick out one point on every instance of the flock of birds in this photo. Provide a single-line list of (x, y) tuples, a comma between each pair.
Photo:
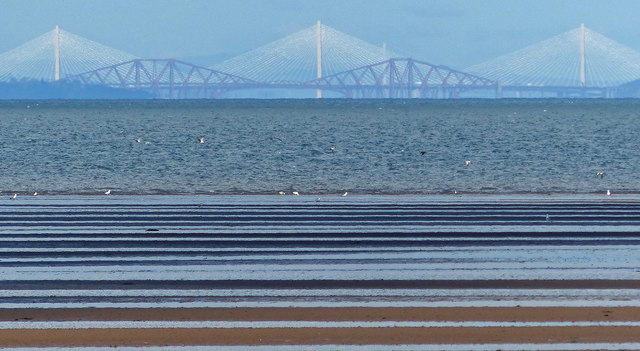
[(466, 163), (296, 193)]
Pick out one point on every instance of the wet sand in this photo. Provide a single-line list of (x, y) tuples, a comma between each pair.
[(324, 284), (166, 254), (519, 314), (313, 335)]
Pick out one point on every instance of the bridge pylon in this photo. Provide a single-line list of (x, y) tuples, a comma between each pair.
[(57, 54), (319, 55), (583, 73), (579, 62)]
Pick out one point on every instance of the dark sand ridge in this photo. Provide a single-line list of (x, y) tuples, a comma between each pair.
[(520, 314), (283, 336), (323, 284)]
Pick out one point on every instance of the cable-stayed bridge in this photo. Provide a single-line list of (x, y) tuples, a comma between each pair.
[(311, 53), (57, 54), (322, 61), (578, 61)]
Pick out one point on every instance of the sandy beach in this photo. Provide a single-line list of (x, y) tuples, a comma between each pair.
[(104, 272), (318, 336), (521, 314)]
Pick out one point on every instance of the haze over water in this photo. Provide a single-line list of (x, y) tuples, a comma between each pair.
[(264, 146)]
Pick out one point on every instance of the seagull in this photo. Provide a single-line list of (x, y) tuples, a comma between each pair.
[(14, 196), (608, 192), (295, 193), (35, 193), (333, 148), (467, 162), (281, 193), (138, 140), (600, 174), (108, 192), (345, 194), (201, 140)]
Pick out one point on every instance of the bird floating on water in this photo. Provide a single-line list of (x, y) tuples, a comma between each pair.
[(108, 192), (599, 174), (35, 193), (332, 148), (548, 218), (345, 194), (14, 196), (295, 193), (138, 140), (201, 140), (422, 152), (281, 193), (467, 162), (608, 192)]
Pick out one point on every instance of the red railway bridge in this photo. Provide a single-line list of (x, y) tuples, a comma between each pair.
[(393, 78)]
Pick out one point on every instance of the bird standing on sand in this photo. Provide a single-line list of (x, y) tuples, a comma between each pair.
[(108, 192)]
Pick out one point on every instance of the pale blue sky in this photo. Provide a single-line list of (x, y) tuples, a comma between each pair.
[(457, 33)]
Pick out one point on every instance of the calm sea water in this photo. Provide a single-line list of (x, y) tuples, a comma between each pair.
[(264, 146)]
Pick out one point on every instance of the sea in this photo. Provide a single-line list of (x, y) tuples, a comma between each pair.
[(319, 146)]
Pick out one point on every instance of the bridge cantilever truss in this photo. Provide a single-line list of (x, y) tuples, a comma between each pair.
[(393, 78), (165, 78), (402, 78)]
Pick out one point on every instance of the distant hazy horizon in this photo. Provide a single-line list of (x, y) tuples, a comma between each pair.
[(456, 33)]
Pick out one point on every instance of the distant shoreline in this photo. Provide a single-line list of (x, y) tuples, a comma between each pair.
[(306, 197)]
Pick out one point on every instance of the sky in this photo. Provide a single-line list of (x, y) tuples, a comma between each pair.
[(455, 33)]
